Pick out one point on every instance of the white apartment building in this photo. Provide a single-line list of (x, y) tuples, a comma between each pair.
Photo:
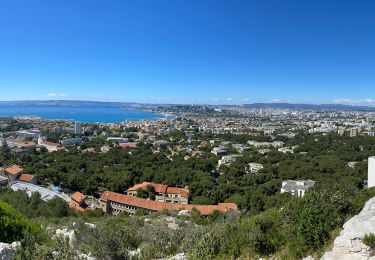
[(255, 167), (297, 188), (371, 172), (77, 128)]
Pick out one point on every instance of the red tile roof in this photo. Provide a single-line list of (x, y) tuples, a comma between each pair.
[(78, 197), (128, 145), (50, 144), (27, 144), (74, 205), (181, 191), (160, 206), (160, 188), (14, 169), (26, 177)]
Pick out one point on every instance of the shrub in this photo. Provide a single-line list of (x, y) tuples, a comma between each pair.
[(14, 226), (369, 240)]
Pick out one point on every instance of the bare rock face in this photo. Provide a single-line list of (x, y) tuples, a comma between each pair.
[(349, 246), (8, 251), (65, 233), (181, 256)]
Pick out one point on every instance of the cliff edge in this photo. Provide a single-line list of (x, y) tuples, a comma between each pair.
[(349, 244)]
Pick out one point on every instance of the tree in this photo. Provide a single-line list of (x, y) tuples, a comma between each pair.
[(141, 193)]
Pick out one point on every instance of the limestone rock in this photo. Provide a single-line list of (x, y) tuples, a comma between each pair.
[(181, 256), (86, 257), (8, 251), (65, 233), (349, 244)]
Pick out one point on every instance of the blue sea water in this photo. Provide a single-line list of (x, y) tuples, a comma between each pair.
[(83, 113)]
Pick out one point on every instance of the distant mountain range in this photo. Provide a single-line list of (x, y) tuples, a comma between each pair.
[(140, 105), (309, 106)]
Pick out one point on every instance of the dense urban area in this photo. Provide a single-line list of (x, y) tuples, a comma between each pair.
[(204, 182)]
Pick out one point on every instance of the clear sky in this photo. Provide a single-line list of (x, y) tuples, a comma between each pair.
[(192, 51)]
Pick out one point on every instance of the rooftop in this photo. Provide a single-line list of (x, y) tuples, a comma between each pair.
[(26, 177), (78, 197), (14, 169), (298, 184), (46, 194), (161, 188), (160, 206)]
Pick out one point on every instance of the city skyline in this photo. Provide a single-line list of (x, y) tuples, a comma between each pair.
[(211, 52)]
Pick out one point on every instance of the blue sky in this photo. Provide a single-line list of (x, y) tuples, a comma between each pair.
[(196, 51)]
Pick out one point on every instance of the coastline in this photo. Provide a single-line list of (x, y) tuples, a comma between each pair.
[(85, 114)]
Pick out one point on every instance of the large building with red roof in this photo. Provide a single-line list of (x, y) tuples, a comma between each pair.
[(14, 173), (50, 146), (116, 203), (164, 193)]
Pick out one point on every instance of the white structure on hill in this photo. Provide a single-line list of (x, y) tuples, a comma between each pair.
[(297, 188), (255, 167), (371, 172)]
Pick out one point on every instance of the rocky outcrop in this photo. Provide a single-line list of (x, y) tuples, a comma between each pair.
[(349, 246), (8, 251), (66, 233), (181, 256)]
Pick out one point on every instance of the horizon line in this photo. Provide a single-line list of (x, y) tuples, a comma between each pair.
[(191, 104)]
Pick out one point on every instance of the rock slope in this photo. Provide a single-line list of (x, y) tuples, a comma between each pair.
[(8, 251), (349, 246)]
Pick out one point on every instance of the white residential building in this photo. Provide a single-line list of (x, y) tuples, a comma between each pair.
[(72, 141), (257, 144), (3, 142), (354, 131), (341, 130), (50, 146), (77, 128), (371, 172), (255, 167), (297, 188), (117, 139), (219, 151), (286, 150), (228, 159)]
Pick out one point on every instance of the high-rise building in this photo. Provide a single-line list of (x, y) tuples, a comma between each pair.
[(353, 132), (77, 128), (3, 142), (41, 139), (341, 131), (371, 172)]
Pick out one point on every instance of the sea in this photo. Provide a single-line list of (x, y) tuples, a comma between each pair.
[(83, 113)]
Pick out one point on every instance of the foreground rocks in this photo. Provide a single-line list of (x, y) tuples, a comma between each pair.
[(8, 251), (349, 246), (181, 256)]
